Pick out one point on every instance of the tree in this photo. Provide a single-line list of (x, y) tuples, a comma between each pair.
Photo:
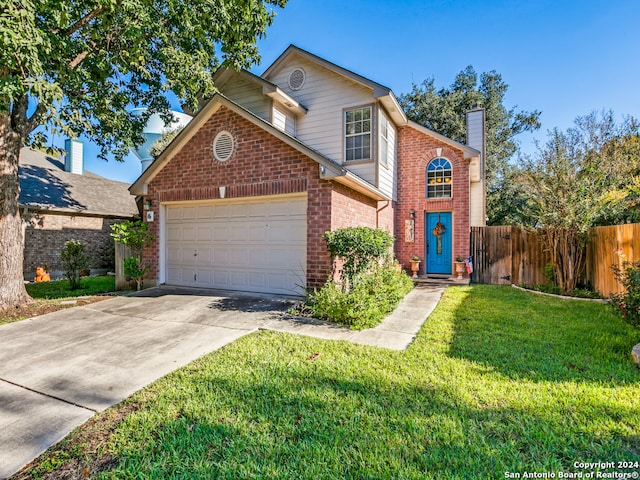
[(136, 236), (163, 142), (444, 111), (75, 67), (75, 261), (568, 186)]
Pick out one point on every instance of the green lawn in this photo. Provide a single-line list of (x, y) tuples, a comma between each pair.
[(498, 380), (60, 288), (51, 296)]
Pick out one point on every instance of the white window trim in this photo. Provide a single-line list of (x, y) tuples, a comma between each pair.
[(372, 131), (383, 146), (450, 183)]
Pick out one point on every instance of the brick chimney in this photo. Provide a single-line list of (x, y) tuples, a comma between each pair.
[(476, 138)]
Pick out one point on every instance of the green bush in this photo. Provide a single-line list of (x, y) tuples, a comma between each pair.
[(74, 260), (133, 269), (374, 295), (360, 248), (627, 304), (132, 233)]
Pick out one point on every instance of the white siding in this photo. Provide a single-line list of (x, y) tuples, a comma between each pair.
[(475, 134), (249, 95), (326, 95), (476, 204), (284, 120), (387, 174)]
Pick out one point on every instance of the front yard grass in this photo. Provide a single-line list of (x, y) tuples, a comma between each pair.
[(498, 380), (51, 296)]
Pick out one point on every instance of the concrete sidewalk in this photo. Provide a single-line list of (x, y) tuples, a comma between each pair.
[(58, 369)]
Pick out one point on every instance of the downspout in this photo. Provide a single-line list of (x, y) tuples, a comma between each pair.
[(378, 214)]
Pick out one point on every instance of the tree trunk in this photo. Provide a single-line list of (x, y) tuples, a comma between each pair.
[(12, 291)]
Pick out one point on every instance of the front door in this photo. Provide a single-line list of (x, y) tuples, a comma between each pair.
[(438, 243)]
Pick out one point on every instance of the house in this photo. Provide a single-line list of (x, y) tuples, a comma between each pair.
[(60, 201), (241, 198)]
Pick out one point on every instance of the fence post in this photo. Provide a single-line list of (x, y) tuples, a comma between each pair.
[(122, 252)]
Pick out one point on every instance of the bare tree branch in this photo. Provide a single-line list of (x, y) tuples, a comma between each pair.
[(83, 21), (79, 58)]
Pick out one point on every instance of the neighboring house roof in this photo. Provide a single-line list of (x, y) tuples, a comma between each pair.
[(328, 168), (45, 185)]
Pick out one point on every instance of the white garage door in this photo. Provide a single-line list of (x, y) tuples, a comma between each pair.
[(255, 246)]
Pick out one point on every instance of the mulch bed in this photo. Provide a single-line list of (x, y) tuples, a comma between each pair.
[(40, 307)]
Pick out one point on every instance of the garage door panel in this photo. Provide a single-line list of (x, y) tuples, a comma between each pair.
[(220, 233), (203, 212), (174, 214), (257, 210), (221, 256), (205, 255), (174, 233), (189, 213), (258, 232), (188, 233), (252, 246), (204, 233), (238, 233)]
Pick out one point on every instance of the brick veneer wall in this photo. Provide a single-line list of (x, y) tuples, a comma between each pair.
[(415, 151), (46, 234), (260, 165)]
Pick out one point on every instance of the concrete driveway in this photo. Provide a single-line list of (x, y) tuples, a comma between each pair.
[(58, 369)]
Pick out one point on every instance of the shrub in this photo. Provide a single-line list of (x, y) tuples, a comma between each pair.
[(74, 260), (136, 236), (359, 248), (133, 234), (375, 294), (133, 269), (627, 304)]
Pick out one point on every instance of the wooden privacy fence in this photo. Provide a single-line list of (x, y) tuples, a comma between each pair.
[(122, 252), (513, 255)]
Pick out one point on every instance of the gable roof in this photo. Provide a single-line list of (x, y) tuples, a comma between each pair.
[(328, 168), (222, 75), (46, 186), (380, 92), (469, 152)]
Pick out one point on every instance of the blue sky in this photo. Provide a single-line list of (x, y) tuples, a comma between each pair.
[(562, 57)]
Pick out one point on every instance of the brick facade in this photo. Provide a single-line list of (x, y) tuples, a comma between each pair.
[(261, 164), (415, 151), (46, 234)]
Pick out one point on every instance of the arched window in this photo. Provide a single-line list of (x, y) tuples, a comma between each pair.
[(439, 178)]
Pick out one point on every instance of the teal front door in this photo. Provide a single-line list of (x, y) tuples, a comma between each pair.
[(438, 243)]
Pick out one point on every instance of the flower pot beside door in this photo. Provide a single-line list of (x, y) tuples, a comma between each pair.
[(415, 266), (460, 267)]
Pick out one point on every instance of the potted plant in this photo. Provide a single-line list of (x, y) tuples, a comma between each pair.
[(460, 267), (415, 266)]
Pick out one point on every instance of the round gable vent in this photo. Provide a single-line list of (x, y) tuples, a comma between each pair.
[(223, 146), (297, 78)]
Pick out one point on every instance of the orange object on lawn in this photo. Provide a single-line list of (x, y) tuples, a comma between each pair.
[(41, 275)]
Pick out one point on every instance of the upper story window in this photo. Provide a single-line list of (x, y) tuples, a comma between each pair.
[(385, 137), (439, 178), (357, 123)]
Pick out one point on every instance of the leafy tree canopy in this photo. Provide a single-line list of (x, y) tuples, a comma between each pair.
[(443, 110), (585, 176), (77, 67)]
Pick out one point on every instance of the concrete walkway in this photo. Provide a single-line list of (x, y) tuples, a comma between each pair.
[(58, 369)]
